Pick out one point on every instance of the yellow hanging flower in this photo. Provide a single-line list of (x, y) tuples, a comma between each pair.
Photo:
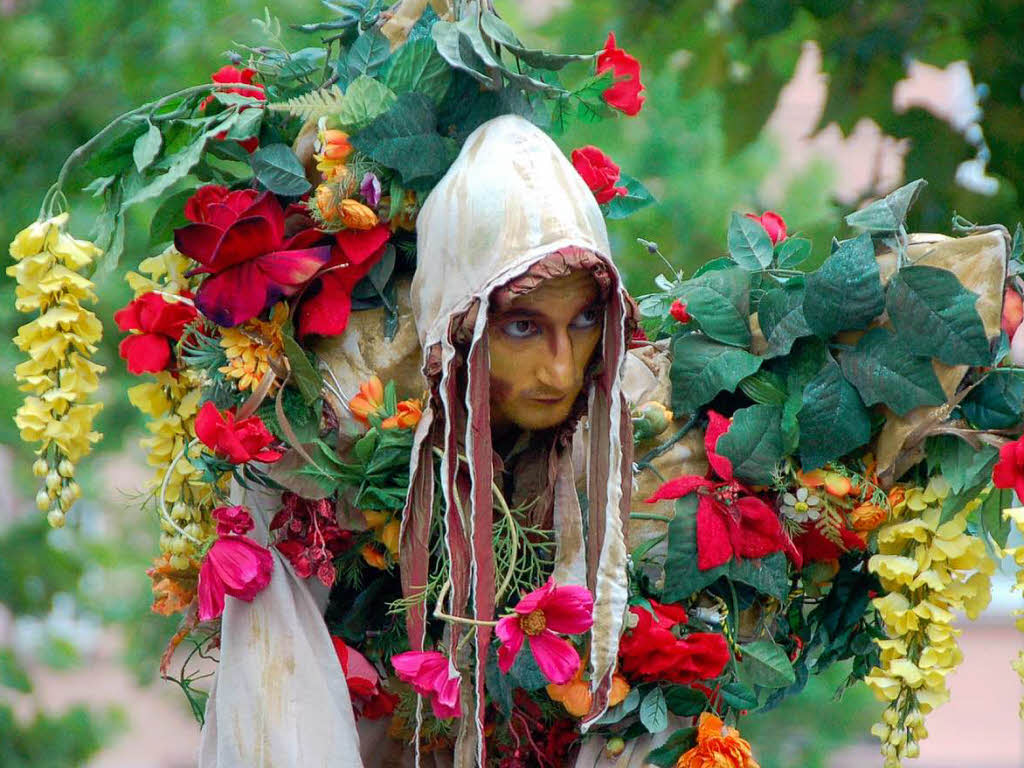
[(58, 374), (252, 348), (1016, 515)]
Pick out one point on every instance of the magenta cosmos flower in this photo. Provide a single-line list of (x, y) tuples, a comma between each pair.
[(539, 618), (431, 674), (235, 565)]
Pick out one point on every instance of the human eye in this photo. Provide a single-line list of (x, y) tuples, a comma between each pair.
[(587, 319), (520, 329)]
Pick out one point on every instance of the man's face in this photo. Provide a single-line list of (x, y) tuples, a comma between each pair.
[(540, 347)]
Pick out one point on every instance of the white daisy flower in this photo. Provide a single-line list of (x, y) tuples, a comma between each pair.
[(801, 506)]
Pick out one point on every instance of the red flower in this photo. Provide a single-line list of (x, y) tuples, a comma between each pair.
[(431, 674), (678, 311), (599, 172), (369, 700), (230, 74), (309, 536), (1009, 470), (327, 302), (626, 94), (816, 547), (232, 520), (238, 238), (238, 442), (651, 651), (160, 324), (731, 522), (773, 225), (235, 565)]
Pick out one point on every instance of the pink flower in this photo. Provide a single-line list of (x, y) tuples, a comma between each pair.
[(431, 674), (369, 700), (232, 520), (369, 188), (1009, 470), (773, 225), (235, 565), (538, 617)]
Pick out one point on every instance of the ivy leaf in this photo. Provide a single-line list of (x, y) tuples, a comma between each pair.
[(654, 711), (766, 664), (368, 54), (702, 368), (720, 301), (936, 316), (636, 197), (888, 214), (278, 169), (996, 403), (754, 443), (417, 66), (780, 313), (147, 147), (832, 418), (846, 291), (668, 754), (365, 100), (792, 252), (749, 243), (884, 371)]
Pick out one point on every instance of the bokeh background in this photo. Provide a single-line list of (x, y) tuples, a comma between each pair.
[(808, 108)]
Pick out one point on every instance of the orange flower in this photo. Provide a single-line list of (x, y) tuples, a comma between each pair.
[(408, 416), (717, 747), (867, 517), (576, 697), (369, 400), (334, 149), (385, 527), (373, 556), (173, 590), (896, 496), (355, 215), (837, 485)]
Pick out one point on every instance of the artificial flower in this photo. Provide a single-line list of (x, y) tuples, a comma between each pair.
[(651, 651), (375, 556), (370, 189), (235, 565), (576, 695), (1013, 312), (773, 225), (801, 505), (253, 347), (355, 215), (230, 74), (599, 172), (173, 590), (369, 400), (867, 516), (814, 546), (1009, 470), (386, 527), (627, 93), (732, 523), (538, 619), (679, 313), (157, 324), (409, 413), (237, 441), (332, 149), (250, 265), (369, 700), (309, 536), (834, 483), (717, 746), (431, 674), (232, 520)]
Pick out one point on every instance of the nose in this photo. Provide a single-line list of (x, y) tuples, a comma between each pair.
[(558, 369)]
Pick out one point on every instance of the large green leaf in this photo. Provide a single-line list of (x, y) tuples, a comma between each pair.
[(668, 754), (368, 54), (457, 50), (702, 368), (685, 701), (502, 33), (996, 403), (884, 371), (720, 301), (832, 419), (780, 313), (169, 216), (179, 166), (766, 664), (845, 293), (801, 366), (279, 170), (739, 696), (654, 711), (304, 375), (749, 243), (936, 316), (636, 197), (889, 213), (991, 518), (754, 443), (405, 138), (365, 100), (417, 66), (792, 252)]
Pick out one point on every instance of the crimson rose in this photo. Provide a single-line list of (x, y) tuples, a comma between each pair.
[(598, 170)]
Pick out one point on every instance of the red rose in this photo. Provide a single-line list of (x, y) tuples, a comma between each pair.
[(1009, 470), (236, 441), (598, 171), (773, 225), (678, 311), (651, 651), (627, 93), (159, 323), (230, 74), (239, 240)]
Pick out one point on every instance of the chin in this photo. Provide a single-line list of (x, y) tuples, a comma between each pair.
[(538, 418)]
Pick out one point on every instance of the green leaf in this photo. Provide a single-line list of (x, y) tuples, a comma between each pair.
[(959, 462), (991, 518), (766, 664), (417, 66), (502, 33), (368, 54), (884, 371), (749, 243), (936, 316), (525, 673), (304, 374), (246, 125), (365, 100), (147, 147), (765, 388), (792, 252), (889, 213), (780, 313), (754, 443), (457, 50), (169, 216), (12, 675), (996, 403), (654, 711), (738, 696), (974, 485), (702, 368), (116, 156), (279, 170), (832, 418), (636, 197), (180, 165), (302, 63), (668, 754), (592, 107), (720, 301), (845, 293), (769, 575), (685, 701)]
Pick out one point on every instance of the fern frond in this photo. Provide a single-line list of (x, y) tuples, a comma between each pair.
[(830, 524), (312, 105)]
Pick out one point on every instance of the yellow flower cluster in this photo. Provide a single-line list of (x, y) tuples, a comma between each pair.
[(930, 569), (59, 373), (1016, 514), (252, 348), (164, 273)]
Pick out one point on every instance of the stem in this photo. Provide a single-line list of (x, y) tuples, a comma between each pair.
[(438, 613), (161, 500), (649, 516), (654, 453)]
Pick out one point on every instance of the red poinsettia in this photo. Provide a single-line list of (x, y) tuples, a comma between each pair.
[(237, 441), (600, 173), (773, 225), (1009, 470), (651, 650), (327, 302), (239, 239), (731, 521), (627, 93), (369, 700), (230, 74), (158, 323)]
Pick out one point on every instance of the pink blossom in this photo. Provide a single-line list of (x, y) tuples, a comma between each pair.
[(538, 617), (235, 565), (369, 188), (232, 520), (773, 224), (431, 674)]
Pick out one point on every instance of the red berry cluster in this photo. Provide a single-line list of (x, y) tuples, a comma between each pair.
[(309, 536)]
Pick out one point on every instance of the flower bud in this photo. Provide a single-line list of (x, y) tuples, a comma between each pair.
[(913, 750), (43, 500), (65, 468), (179, 562), (52, 481), (67, 496), (179, 511), (55, 518), (40, 467), (75, 489), (355, 215), (891, 716), (650, 420), (614, 747), (193, 530)]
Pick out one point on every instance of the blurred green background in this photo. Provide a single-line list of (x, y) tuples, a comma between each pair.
[(714, 70)]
